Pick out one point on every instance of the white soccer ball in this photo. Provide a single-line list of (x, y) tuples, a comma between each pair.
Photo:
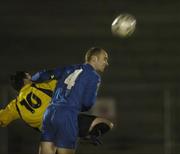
[(124, 25)]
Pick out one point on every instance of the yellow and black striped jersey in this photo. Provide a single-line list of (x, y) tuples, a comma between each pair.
[(29, 105)]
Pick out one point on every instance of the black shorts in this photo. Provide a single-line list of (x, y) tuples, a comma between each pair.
[(84, 123)]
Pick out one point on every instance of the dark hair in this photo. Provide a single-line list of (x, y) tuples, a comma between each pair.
[(91, 52), (17, 80)]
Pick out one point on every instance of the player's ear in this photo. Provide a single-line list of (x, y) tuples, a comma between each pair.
[(94, 58)]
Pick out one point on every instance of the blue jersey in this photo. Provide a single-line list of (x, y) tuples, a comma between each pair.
[(76, 87)]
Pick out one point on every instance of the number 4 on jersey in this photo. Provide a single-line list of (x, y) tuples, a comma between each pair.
[(70, 80)]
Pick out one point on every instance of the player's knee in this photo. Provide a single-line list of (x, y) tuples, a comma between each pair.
[(102, 120), (65, 151), (101, 128), (47, 148)]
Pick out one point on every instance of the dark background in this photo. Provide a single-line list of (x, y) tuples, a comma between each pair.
[(143, 76)]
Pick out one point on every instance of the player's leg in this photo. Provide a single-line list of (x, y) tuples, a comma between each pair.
[(65, 151), (102, 123), (91, 128), (98, 128), (66, 131), (47, 148), (47, 134), (90, 123)]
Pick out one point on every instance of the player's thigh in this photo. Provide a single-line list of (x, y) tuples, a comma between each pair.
[(47, 148), (47, 131), (65, 151), (84, 122), (66, 129)]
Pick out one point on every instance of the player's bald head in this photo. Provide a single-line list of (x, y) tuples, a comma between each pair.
[(94, 51)]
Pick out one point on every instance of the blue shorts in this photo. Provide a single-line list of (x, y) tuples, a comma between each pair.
[(60, 126)]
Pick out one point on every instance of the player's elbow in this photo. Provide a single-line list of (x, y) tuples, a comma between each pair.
[(4, 119)]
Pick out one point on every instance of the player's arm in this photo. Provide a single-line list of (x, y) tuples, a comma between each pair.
[(46, 75), (8, 114), (90, 93)]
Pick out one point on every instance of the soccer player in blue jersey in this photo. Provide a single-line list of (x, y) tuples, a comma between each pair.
[(32, 101), (75, 92)]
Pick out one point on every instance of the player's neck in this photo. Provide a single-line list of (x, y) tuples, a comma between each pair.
[(92, 65)]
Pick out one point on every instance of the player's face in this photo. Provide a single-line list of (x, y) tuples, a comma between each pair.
[(102, 61), (27, 80)]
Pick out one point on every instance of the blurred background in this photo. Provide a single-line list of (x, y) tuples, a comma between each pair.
[(143, 77)]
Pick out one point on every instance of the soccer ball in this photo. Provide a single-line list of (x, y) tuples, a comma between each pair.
[(124, 25)]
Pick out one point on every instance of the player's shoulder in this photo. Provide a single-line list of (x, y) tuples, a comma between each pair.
[(91, 73), (26, 87), (71, 68), (45, 85), (25, 90), (74, 67), (87, 70)]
